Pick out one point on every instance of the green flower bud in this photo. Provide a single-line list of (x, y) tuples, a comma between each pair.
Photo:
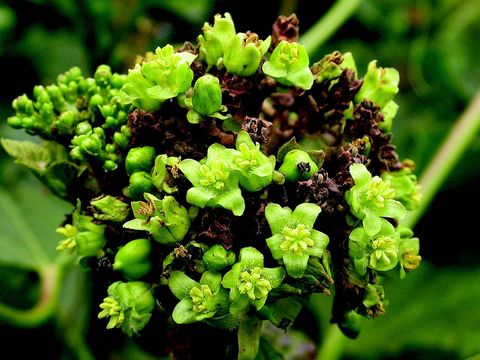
[(140, 183), (380, 85), (297, 165), (207, 95), (129, 306), (140, 159), (120, 139), (103, 75), (244, 52), (133, 259), (96, 100), (66, 122), (214, 40), (83, 128), (218, 258)]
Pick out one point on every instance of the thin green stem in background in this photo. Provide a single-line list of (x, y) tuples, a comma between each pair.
[(324, 28), (332, 345), (50, 278), (448, 155)]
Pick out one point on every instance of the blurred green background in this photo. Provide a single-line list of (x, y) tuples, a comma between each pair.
[(433, 314)]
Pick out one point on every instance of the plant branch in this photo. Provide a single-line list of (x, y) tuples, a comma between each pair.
[(326, 26), (447, 156)]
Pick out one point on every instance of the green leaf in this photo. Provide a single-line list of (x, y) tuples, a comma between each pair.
[(29, 216), (286, 148), (433, 308)]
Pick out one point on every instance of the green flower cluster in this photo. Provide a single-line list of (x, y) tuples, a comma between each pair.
[(225, 183)]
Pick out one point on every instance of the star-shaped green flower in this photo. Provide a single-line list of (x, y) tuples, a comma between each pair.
[(214, 184), (198, 300), (249, 282), (371, 199), (293, 238), (378, 251), (254, 167)]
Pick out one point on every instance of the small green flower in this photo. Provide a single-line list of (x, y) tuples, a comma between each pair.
[(407, 189), (129, 306), (244, 52), (215, 38), (288, 65), (163, 76), (371, 198), (249, 282), (133, 259), (293, 238), (408, 249), (254, 167), (214, 184), (166, 219), (378, 251), (109, 208), (198, 300), (380, 85), (84, 237), (297, 165)]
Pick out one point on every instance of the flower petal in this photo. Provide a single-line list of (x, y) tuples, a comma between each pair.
[(191, 169), (212, 279), (251, 257), (295, 264), (230, 279), (200, 196), (393, 209), (277, 217), (244, 138), (180, 284), (183, 312), (275, 276), (274, 243), (231, 200), (320, 243), (372, 223), (306, 214), (361, 176)]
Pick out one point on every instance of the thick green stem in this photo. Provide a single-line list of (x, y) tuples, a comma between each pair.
[(321, 31), (447, 156), (50, 278), (332, 344)]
